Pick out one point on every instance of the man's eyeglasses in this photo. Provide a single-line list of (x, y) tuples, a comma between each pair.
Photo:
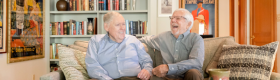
[(177, 17)]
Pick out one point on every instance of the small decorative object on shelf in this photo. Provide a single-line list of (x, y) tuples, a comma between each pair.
[(61, 5), (90, 28)]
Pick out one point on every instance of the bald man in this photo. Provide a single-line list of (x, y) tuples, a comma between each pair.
[(182, 51), (115, 55)]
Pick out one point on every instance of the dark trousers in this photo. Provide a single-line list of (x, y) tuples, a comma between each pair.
[(124, 78), (192, 74)]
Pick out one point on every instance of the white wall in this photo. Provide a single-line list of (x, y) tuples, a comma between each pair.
[(21, 70)]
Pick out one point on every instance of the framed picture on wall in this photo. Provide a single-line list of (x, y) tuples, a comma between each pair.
[(205, 14), (165, 8), (3, 35), (25, 29)]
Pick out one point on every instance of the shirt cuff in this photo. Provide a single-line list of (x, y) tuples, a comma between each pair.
[(172, 69)]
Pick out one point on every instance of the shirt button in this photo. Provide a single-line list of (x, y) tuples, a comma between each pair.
[(118, 62), (177, 41), (176, 50), (119, 70), (172, 68), (116, 49)]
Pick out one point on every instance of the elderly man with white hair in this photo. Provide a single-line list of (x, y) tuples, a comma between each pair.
[(182, 51), (115, 55)]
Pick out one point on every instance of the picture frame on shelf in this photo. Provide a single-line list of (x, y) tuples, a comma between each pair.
[(166, 7), (205, 14), (25, 29), (3, 34)]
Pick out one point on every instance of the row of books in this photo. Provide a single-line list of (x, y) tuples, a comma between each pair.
[(136, 27), (116, 4), (82, 5), (91, 5), (54, 50), (73, 27)]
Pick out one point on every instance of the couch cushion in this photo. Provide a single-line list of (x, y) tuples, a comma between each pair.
[(69, 64), (214, 61), (81, 43), (150, 51), (248, 61), (210, 46)]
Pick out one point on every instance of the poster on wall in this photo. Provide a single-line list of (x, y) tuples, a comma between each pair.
[(3, 34), (205, 16), (165, 8), (25, 29)]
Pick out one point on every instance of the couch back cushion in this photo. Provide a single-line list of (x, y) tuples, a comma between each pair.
[(71, 67), (210, 46), (248, 61)]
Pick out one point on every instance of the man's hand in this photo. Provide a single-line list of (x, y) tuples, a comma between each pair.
[(144, 75), (161, 70)]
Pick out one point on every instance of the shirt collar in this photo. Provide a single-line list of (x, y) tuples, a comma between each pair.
[(110, 40), (184, 34)]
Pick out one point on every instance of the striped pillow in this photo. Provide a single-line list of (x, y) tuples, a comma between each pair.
[(248, 62)]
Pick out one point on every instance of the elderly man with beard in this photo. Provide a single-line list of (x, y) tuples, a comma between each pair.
[(115, 55), (182, 51)]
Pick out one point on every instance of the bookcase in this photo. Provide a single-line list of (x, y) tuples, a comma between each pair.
[(141, 13)]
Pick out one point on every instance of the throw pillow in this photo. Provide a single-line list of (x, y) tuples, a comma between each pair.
[(70, 65), (214, 61), (248, 62), (81, 58)]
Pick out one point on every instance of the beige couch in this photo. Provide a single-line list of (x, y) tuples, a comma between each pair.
[(211, 46)]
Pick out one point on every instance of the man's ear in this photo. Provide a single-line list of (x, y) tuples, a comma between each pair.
[(189, 24), (106, 27)]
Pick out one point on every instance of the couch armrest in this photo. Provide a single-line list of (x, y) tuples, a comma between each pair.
[(275, 76), (56, 75)]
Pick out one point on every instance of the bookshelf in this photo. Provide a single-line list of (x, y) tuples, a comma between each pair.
[(52, 15)]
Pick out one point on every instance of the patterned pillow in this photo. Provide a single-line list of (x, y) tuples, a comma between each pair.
[(214, 61), (248, 62), (81, 58), (70, 66)]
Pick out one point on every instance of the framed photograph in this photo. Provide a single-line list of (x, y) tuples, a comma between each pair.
[(3, 34), (165, 8), (205, 14), (25, 30)]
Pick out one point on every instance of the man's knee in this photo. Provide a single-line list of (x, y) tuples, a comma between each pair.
[(193, 74)]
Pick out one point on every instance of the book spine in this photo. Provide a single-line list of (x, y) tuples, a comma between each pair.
[(95, 5), (125, 4), (50, 29), (133, 5), (85, 27), (54, 50), (51, 52), (61, 28), (81, 28), (104, 4), (127, 27), (128, 5), (131, 27), (65, 28), (72, 29), (95, 25), (82, 33), (120, 4), (77, 27), (143, 27), (56, 28)]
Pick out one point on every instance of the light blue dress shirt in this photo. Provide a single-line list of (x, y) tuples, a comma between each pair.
[(107, 59), (181, 54)]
